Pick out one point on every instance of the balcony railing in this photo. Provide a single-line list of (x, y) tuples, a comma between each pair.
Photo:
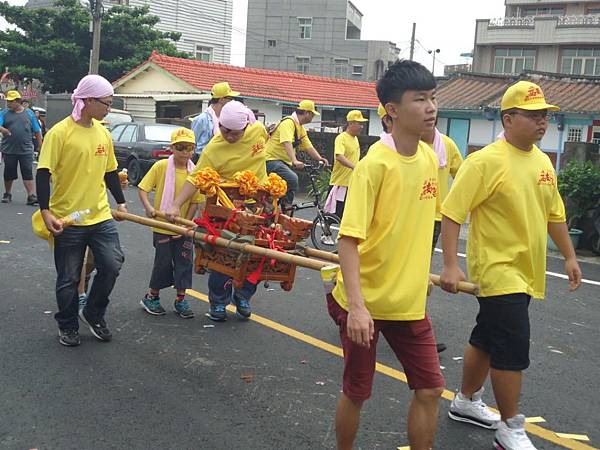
[(529, 21)]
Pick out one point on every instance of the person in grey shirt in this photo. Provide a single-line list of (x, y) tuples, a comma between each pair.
[(18, 126)]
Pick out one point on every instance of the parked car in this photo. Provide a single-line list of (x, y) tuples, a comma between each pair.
[(139, 145)]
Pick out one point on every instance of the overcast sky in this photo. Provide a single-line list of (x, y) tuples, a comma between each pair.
[(447, 25)]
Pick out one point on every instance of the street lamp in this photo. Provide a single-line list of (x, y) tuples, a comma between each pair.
[(432, 53)]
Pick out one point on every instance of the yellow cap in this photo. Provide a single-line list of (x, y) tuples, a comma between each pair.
[(355, 116), (39, 228), (221, 90), (12, 95), (183, 135), (525, 95), (308, 105), (381, 112)]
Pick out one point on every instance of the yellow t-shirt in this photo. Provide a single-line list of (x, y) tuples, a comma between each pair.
[(348, 146), (285, 133), (78, 158), (453, 161), (390, 209), (511, 195), (246, 154), (155, 180)]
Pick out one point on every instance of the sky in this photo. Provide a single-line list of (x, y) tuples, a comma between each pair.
[(441, 24)]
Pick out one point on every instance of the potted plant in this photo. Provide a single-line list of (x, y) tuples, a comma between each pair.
[(579, 185)]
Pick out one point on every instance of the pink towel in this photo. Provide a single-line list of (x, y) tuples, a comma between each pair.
[(501, 137), (215, 120), (168, 194), (337, 194), (387, 139), (90, 86), (439, 148), (235, 116)]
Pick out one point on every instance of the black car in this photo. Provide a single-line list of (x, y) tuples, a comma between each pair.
[(139, 145)]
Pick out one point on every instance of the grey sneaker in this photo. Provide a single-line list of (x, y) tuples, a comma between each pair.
[(182, 308), (98, 328), (82, 301), (32, 199), (69, 338), (511, 435), (152, 306), (473, 411), (6, 198)]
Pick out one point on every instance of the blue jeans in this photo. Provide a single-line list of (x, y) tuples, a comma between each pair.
[(69, 252), (285, 171), (220, 289)]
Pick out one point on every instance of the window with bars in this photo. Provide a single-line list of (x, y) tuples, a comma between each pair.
[(204, 53), (287, 111), (581, 61), (340, 68), (357, 70), (543, 11), (302, 64), (513, 60), (574, 134), (271, 43), (305, 24)]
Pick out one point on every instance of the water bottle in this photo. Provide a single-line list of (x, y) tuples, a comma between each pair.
[(75, 217), (329, 277), (123, 177)]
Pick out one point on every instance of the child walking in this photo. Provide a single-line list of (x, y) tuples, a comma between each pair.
[(173, 255)]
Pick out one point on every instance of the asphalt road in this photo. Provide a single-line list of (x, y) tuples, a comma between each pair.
[(270, 383)]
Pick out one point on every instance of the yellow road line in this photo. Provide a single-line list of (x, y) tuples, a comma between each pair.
[(536, 430)]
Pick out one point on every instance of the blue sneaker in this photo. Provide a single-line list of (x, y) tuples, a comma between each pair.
[(182, 308), (152, 305), (242, 308), (82, 301), (217, 313)]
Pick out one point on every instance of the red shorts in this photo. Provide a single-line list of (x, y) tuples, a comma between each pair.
[(412, 341)]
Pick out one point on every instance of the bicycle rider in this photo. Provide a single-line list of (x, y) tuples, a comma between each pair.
[(289, 136)]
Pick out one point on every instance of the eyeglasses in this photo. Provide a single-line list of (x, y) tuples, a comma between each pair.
[(108, 105), (535, 115), (181, 147)]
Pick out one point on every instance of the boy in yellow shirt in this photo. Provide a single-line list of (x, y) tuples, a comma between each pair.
[(173, 255), (385, 248), (347, 154), (288, 137), (239, 146), (510, 189), (78, 154)]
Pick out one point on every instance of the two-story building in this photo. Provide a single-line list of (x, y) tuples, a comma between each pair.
[(314, 37), (540, 35)]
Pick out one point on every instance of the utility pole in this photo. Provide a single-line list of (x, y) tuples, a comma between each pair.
[(96, 6), (433, 52), (412, 41)]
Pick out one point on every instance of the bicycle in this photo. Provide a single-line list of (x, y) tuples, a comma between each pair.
[(325, 227)]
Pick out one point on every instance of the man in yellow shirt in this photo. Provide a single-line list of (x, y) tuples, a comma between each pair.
[(239, 146), (385, 248), (78, 154), (347, 154), (288, 137), (173, 253), (510, 190)]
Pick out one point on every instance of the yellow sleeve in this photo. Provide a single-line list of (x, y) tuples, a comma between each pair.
[(111, 164), (148, 183), (305, 142), (467, 192), (340, 145), (360, 204), (203, 162), (557, 210), (51, 150), (286, 131), (455, 159)]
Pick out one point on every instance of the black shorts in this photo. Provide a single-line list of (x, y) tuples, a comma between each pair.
[(25, 161), (502, 330), (437, 229), (172, 262)]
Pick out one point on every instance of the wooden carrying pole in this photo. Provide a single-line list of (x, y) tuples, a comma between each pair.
[(463, 286)]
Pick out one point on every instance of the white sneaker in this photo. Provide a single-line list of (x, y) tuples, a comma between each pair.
[(473, 411), (327, 240), (511, 435)]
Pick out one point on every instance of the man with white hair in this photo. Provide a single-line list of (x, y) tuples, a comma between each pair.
[(78, 154)]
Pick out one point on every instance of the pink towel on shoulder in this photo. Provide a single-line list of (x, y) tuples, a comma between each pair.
[(168, 194), (439, 148)]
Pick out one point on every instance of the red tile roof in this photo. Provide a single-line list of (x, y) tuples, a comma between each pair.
[(473, 92), (269, 84)]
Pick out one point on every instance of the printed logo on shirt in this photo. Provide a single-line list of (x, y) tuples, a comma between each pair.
[(257, 148), (534, 93), (100, 150), (430, 189), (546, 178)]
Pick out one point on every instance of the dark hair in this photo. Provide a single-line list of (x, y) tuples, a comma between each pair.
[(506, 111), (384, 125), (213, 100), (402, 76)]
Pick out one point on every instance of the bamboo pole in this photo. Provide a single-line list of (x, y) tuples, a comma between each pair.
[(326, 258)]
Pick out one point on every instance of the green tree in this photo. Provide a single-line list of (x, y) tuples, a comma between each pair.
[(53, 44)]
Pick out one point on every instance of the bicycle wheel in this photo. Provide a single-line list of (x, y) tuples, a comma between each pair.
[(324, 232)]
